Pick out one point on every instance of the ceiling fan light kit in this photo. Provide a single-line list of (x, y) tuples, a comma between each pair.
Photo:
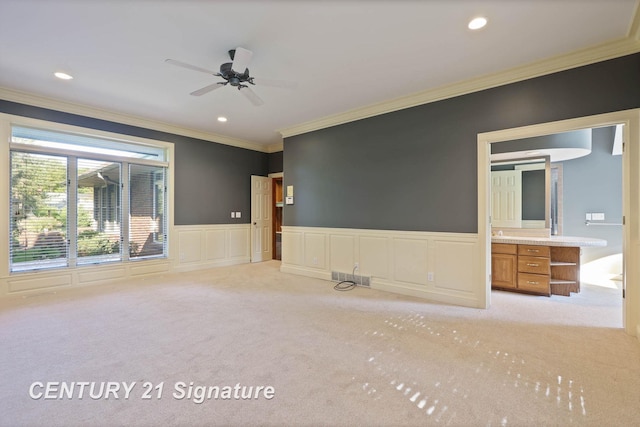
[(235, 73)]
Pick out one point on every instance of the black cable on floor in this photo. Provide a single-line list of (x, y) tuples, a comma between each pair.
[(346, 285)]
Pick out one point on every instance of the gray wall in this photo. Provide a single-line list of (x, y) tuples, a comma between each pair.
[(275, 162), (211, 180), (415, 169), (593, 183), (533, 195)]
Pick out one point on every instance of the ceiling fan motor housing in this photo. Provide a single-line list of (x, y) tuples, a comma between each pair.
[(233, 77)]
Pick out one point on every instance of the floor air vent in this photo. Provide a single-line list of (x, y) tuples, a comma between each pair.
[(338, 276)]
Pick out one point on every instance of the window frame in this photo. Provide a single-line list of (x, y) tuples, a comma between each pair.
[(7, 122)]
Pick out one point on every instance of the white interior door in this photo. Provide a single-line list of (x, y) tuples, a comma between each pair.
[(261, 218), (506, 198)]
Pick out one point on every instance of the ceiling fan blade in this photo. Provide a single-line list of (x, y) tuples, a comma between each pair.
[(190, 67), (275, 83), (251, 96), (207, 89), (241, 59)]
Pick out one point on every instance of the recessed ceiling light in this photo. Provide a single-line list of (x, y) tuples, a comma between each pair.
[(63, 76), (222, 119), (477, 23)]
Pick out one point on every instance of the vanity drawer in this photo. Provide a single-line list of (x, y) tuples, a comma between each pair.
[(504, 248), (533, 283), (534, 250), (534, 264)]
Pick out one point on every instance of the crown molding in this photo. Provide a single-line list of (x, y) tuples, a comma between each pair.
[(603, 52), (276, 147), (634, 28), (97, 113)]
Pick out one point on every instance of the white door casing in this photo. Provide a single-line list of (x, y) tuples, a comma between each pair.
[(261, 218), (506, 198)]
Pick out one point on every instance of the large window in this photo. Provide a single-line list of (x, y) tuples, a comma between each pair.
[(38, 211), (78, 200), (147, 211), (98, 211)]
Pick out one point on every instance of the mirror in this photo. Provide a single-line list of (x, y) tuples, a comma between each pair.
[(521, 193), (529, 218)]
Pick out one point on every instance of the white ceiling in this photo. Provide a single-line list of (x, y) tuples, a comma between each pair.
[(343, 55)]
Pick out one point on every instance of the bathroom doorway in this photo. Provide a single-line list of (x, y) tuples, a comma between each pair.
[(628, 285)]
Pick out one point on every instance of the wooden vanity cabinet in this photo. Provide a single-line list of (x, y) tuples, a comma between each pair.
[(543, 270), (504, 265), (565, 270), (534, 269)]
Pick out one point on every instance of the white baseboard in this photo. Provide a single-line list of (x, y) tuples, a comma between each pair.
[(414, 291), (307, 272), (183, 268)]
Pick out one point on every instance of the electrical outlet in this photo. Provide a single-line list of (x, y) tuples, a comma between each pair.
[(233, 214), (430, 276), (356, 266), (238, 214)]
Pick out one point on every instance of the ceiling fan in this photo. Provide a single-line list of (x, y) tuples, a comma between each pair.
[(236, 74)]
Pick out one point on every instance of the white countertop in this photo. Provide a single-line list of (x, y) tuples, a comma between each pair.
[(550, 241)]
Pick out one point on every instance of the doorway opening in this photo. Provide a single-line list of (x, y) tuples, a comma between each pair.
[(277, 217), (563, 194), (628, 283)]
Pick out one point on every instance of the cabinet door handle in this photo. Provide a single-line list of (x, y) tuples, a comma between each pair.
[(533, 250), (530, 264), (532, 283)]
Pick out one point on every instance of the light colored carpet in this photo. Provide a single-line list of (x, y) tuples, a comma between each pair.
[(362, 357)]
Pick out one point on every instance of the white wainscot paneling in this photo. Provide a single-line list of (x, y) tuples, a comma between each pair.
[(216, 244), (342, 251), (44, 281), (454, 271), (149, 268), (93, 274), (193, 248), (292, 248), (38, 281), (396, 261), (314, 250), (374, 256), (190, 246), (239, 239), (410, 259), (212, 246)]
